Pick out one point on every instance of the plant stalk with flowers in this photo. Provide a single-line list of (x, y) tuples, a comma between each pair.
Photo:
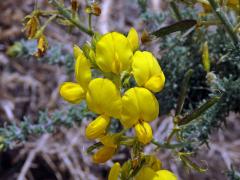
[(119, 82)]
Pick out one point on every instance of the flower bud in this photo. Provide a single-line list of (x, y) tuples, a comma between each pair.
[(83, 73), (72, 92), (97, 128), (103, 154), (145, 37), (93, 9), (114, 172), (74, 4), (144, 132), (133, 39), (76, 51)]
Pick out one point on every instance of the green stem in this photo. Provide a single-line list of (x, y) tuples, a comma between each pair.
[(228, 26), (176, 10), (174, 131), (68, 16), (90, 21)]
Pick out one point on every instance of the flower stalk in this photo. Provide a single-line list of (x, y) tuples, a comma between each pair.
[(68, 16)]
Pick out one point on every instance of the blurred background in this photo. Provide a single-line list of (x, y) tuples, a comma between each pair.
[(29, 85)]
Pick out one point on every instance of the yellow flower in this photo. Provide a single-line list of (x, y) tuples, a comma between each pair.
[(75, 92), (139, 104), (72, 92), (144, 132), (139, 107), (114, 172), (147, 72), (103, 154), (147, 173), (97, 128), (133, 39), (113, 53), (103, 97)]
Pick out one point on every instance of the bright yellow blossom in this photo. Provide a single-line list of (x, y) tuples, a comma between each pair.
[(139, 107), (147, 173), (147, 72), (103, 154), (139, 104), (103, 97), (144, 132), (114, 172), (113, 53), (133, 39), (97, 128), (75, 92)]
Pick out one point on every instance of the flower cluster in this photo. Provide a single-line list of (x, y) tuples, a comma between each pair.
[(123, 89)]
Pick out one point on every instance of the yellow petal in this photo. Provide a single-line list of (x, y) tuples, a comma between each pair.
[(109, 140), (114, 172), (165, 175), (133, 39), (104, 98), (144, 132), (72, 92), (97, 128), (138, 104), (83, 73), (103, 154), (147, 72), (145, 173), (76, 51), (113, 53)]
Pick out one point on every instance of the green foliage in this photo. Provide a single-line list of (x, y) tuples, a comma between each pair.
[(232, 174), (225, 81), (45, 123)]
